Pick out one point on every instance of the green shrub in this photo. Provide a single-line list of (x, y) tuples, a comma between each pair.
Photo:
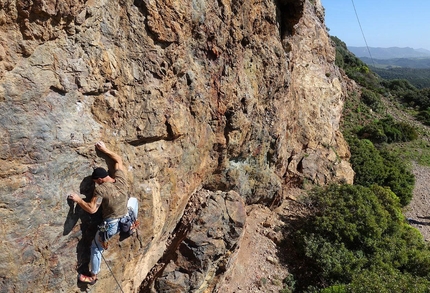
[(371, 99), (398, 131), (397, 176), (407, 94), (367, 162), (372, 166), (388, 130), (387, 281), (424, 117), (290, 284), (373, 132), (358, 237), (398, 85), (335, 289)]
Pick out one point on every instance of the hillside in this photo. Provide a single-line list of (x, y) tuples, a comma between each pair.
[(397, 63), (333, 247), (417, 211), (389, 53), (420, 78), (416, 63)]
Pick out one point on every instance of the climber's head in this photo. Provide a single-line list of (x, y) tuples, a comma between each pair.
[(99, 175)]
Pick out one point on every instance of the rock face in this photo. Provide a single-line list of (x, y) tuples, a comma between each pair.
[(229, 101), (201, 246)]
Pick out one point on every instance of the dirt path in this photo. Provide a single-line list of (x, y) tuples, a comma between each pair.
[(418, 211)]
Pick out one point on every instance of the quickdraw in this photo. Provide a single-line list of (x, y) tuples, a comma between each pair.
[(103, 235)]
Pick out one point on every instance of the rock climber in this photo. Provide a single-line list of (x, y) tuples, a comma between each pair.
[(111, 194)]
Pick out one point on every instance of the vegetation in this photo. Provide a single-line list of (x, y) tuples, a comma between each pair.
[(388, 130), (407, 94), (368, 134), (407, 65), (355, 68), (373, 166), (420, 78), (372, 100), (356, 238)]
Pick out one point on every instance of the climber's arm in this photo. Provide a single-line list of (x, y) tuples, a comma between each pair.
[(91, 206), (117, 159)]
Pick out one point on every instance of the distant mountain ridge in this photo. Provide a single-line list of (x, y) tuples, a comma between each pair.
[(417, 62), (389, 53)]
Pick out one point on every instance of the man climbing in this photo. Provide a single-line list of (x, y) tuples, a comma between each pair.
[(111, 194)]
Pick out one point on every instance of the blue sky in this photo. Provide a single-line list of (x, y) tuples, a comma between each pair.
[(385, 23)]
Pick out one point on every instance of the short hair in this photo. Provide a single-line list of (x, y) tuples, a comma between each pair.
[(99, 173)]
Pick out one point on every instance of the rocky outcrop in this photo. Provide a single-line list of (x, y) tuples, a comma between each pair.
[(227, 97), (201, 246)]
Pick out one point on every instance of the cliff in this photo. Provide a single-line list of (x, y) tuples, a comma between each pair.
[(213, 105)]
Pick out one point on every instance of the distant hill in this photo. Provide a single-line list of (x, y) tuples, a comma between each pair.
[(420, 78), (397, 63), (420, 63), (389, 53)]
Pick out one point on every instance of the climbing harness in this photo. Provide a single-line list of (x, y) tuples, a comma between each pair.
[(127, 225)]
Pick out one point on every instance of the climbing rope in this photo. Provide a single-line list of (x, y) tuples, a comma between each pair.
[(113, 275), (362, 32)]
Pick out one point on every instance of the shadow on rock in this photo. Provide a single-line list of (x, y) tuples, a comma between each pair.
[(88, 227), (291, 254), (72, 217)]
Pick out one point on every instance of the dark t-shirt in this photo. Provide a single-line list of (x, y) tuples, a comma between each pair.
[(114, 195)]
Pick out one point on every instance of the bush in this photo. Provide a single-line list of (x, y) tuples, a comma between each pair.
[(407, 94), (358, 237), (424, 117), (398, 131), (388, 130), (372, 100), (366, 162), (398, 85), (381, 281), (400, 180), (334, 289), (373, 132), (372, 166)]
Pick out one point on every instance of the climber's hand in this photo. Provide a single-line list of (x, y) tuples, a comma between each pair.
[(101, 146), (75, 197)]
